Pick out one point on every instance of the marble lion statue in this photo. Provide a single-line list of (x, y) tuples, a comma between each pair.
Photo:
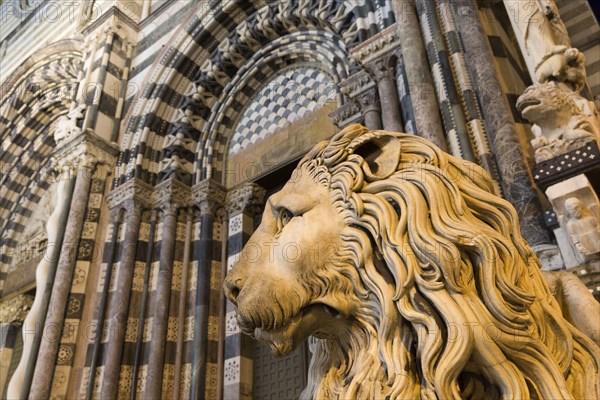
[(412, 277)]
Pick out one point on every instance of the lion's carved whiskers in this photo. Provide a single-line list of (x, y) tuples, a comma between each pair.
[(426, 289)]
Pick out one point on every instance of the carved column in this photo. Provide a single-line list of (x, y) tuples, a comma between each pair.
[(362, 92), (371, 108), (174, 196), (516, 180), (384, 71), (243, 203), (116, 319), (209, 196), (425, 109), (378, 56), (85, 154)]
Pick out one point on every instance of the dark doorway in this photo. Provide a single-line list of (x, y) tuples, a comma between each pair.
[(278, 378)]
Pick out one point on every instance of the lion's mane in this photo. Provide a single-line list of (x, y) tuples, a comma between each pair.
[(453, 302)]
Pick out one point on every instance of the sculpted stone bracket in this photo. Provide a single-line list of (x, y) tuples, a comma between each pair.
[(15, 310)]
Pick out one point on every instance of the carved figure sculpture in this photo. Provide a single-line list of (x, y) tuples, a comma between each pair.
[(560, 123), (545, 41), (583, 228), (412, 275), (66, 126)]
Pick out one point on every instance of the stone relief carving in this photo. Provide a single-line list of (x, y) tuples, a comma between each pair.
[(542, 36), (34, 237), (562, 120), (583, 228), (412, 275), (68, 126)]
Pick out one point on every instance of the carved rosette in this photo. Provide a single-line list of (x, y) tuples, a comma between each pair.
[(15, 310)]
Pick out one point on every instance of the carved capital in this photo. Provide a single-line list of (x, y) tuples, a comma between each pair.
[(248, 197), (172, 192), (84, 150), (135, 191), (209, 196), (369, 101), (15, 310), (383, 67)]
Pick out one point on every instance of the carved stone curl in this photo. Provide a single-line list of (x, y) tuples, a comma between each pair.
[(413, 278)]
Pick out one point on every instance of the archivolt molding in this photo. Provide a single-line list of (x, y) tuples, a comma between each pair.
[(34, 97), (224, 58)]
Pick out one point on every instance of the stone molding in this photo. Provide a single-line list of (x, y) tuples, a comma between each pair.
[(346, 114), (14, 311), (356, 84), (248, 197), (378, 46)]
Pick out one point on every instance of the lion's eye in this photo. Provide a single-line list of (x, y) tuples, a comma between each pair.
[(284, 217)]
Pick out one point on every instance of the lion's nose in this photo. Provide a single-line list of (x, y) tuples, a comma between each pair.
[(232, 289)]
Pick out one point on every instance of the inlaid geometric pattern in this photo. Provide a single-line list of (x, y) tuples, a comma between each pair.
[(284, 100)]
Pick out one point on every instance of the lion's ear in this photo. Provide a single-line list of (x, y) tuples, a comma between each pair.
[(381, 154)]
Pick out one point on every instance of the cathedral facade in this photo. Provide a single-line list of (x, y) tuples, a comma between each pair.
[(140, 138)]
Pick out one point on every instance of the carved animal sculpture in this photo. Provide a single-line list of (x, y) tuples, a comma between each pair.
[(411, 274), (563, 121)]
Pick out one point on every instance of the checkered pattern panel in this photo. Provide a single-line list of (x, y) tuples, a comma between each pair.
[(287, 98)]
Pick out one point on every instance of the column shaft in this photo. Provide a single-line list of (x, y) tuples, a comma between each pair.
[(44, 370), (390, 103), (162, 298), (420, 82), (517, 182), (119, 303), (202, 304)]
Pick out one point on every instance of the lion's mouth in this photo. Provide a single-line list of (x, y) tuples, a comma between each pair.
[(316, 319), (524, 103)]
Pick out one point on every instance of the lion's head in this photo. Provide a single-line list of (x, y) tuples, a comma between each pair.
[(547, 104), (412, 275)]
